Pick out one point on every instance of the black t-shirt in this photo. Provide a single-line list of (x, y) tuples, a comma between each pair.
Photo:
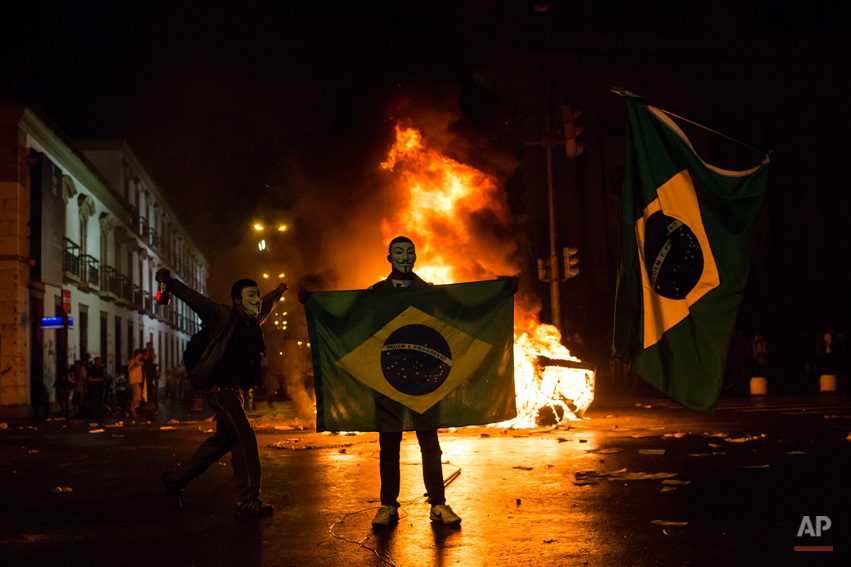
[(96, 374)]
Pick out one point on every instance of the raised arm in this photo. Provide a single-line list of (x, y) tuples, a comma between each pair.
[(269, 301), (206, 308)]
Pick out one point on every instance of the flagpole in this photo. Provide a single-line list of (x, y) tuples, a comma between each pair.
[(767, 152)]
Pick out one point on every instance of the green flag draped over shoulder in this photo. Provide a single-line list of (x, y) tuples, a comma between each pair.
[(407, 359), (687, 229)]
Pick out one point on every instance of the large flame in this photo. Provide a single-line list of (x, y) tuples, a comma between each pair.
[(460, 221)]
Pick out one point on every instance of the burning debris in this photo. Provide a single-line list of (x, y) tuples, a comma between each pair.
[(550, 384)]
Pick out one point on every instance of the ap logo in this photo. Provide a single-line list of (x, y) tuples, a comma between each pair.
[(822, 524)]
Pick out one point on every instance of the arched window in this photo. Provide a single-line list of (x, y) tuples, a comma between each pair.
[(143, 255), (84, 235), (120, 238), (107, 227), (87, 210)]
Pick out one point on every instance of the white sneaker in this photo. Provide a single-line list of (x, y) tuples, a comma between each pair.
[(385, 516), (443, 513)]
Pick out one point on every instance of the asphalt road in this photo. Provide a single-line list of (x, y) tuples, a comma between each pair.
[(745, 479)]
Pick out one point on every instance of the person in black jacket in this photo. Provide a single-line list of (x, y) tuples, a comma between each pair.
[(230, 364)]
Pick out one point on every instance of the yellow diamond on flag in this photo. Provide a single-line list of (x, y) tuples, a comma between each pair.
[(415, 359), (677, 265)]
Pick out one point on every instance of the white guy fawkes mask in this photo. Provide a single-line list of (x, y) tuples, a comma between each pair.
[(251, 301), (402, 256)]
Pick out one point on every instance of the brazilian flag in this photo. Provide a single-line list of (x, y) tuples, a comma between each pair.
[(687, 244), (418, 358)]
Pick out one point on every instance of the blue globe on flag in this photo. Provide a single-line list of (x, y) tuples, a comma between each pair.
[(416, 359)]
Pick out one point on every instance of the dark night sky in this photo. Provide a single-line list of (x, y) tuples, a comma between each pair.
[(221, 101)]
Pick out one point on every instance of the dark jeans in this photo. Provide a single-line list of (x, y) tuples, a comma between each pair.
[(151, 392), (96, 390), (389, 466), (233, 434)]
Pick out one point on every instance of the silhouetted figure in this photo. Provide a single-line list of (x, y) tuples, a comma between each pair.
[(80, 387), (151, 378), (96, 388), (759, 354)]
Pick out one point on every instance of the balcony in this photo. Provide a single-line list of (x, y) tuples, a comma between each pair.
[(109, 283), (90, 271), (125, 289), (72, 260), (136, 301)]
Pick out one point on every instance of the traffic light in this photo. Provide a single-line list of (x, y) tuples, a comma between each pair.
[(571, 131), (544, 269), (571, 258)]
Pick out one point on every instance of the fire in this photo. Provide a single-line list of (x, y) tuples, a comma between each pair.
[(460, 221), (445, 199), (565, 391)]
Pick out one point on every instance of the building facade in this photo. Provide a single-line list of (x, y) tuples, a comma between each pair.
[(83, 230)]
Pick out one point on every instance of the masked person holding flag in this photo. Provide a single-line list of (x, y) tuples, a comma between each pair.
[(229, 365), (402, 256)]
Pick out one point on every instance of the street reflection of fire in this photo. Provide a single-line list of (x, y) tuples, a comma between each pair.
[(459, 220)]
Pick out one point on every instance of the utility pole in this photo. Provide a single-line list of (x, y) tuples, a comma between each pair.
[(548, 270), (555, 306)]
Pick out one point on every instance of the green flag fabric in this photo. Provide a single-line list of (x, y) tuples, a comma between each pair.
[(687, 244), (407, 359)]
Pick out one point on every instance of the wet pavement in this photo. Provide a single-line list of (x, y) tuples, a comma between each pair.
[(738, 484)]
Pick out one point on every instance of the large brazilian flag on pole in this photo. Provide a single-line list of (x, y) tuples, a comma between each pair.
[(407, 359), (687, 244)]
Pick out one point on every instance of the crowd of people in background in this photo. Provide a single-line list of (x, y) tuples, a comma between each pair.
[(87, 390)]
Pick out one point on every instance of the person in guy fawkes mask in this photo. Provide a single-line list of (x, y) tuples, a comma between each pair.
[(402, 256), (230, 365)]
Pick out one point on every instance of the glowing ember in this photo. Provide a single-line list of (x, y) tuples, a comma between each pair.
[(455, 214)]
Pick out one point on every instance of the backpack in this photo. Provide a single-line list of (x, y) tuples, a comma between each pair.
[(195, 348)]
